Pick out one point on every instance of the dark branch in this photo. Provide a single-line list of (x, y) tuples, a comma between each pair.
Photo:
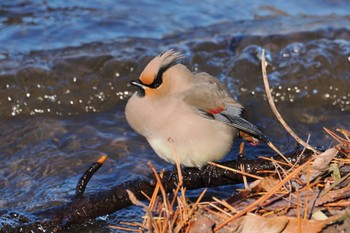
[(90, 206)]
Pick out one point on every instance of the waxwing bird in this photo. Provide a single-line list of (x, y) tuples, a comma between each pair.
[(191, 112)]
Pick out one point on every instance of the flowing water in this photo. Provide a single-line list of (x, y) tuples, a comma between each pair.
[(64, 66)]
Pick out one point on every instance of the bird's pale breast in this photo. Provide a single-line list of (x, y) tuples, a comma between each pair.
[(177, 127)]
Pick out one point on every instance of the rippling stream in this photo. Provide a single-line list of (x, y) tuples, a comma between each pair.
[(64, 69)]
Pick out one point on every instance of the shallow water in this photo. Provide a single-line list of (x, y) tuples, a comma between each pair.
[(64, 69)]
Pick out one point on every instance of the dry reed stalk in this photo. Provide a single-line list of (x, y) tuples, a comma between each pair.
[(307, 188), (160, 187), (298, 213), (274, 161), (123, 228), (235, 170), (225, 204), (277, 114), (178, 168), (226, 215), (245, 182), (340, 203), (194, 207), (218, 214)]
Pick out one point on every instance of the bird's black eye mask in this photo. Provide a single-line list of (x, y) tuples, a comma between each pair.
[(158, 80)]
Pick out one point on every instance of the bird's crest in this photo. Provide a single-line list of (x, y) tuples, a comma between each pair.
[(153, 73)]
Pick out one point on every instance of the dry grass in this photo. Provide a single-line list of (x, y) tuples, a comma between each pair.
[(170, 213)]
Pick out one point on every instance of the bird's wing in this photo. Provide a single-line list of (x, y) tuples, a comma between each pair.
[(210, 98), (240, 123)]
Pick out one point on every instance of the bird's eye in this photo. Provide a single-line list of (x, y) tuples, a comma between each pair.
[(158, 80), (155, 85)]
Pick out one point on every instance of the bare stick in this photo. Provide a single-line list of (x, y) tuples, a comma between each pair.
[(84, 180), (274, 109)]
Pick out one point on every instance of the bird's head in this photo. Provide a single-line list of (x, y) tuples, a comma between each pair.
[(153, 81)]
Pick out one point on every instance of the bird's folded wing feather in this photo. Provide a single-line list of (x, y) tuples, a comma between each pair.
[(241, 124), (210, 98)]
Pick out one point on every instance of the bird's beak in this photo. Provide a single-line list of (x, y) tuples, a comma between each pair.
[(141, 87), (136, 83)]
